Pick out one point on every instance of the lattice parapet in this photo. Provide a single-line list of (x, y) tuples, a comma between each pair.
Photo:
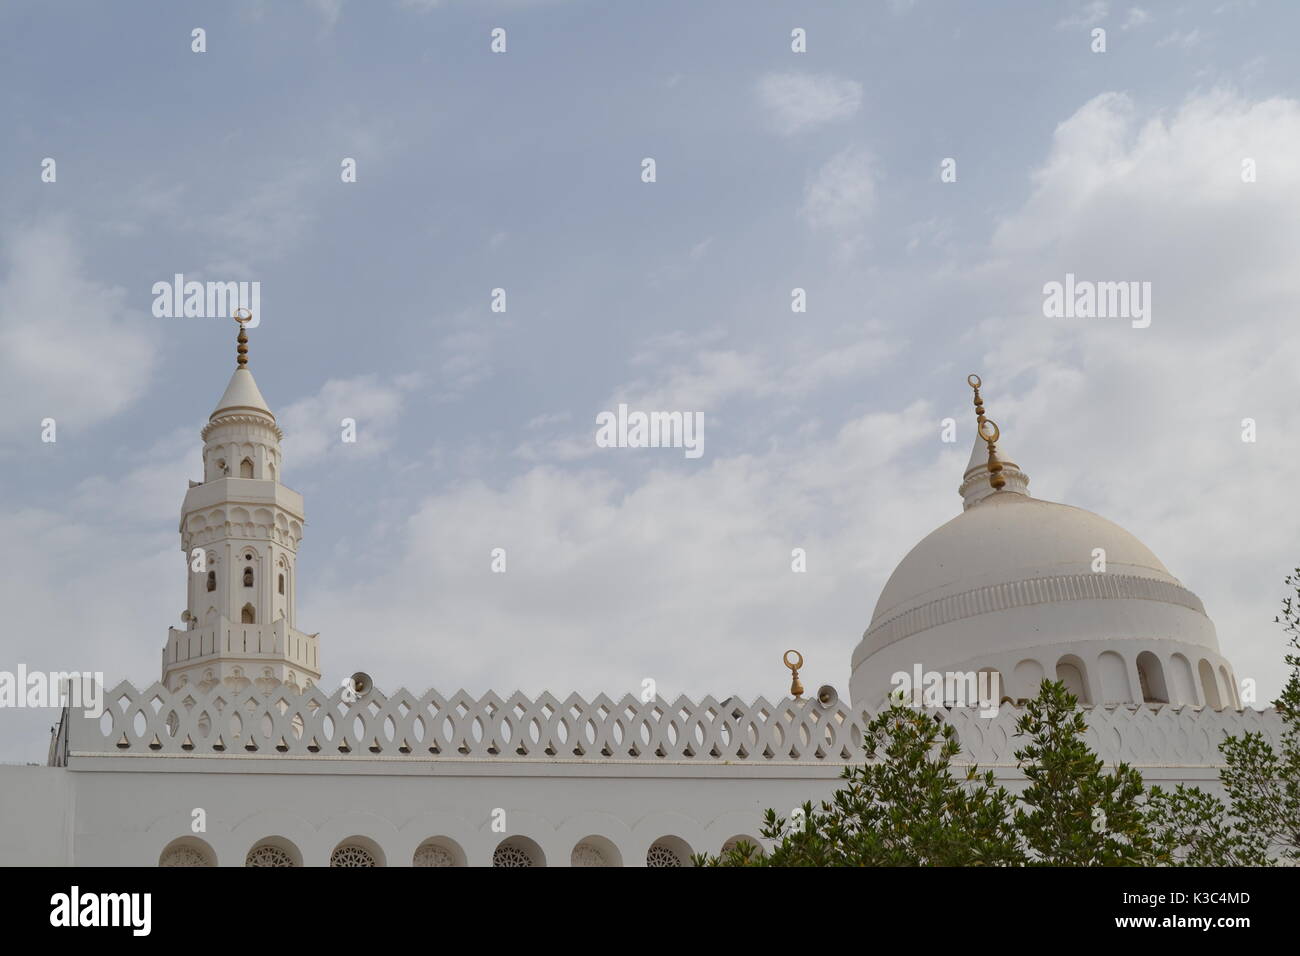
[(251, 723)]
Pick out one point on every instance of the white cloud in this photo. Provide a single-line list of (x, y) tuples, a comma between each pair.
[(1144, 425), (313, 425), (71, 347), (145, 488), (1085, 15), (799, 101), (842, 194), (704, 378), (329, 10), (1137, 17), (1182, 39), (683, 576)]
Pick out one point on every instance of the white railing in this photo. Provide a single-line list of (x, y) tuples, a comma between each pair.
[(250, 723)]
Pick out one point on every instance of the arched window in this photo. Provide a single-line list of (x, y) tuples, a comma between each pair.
[(282, 583), (248, 615), (212, 580), (1151, 678), (273, 851), (221, 467), (595, 851), (187, 851), (270, 472), (246, 468), (357, 851), (248, 577), (518, 851), (1070, 672), (668, 851), (1209, 686), (441, 851)]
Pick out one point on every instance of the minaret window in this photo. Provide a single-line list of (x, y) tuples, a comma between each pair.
[(248, 577), (221, 467), (246, 469), (212, 580), (248, 615), (282, 584)]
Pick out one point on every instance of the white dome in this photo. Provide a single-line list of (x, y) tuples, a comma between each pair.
[(1011, 537), (1015, 585)]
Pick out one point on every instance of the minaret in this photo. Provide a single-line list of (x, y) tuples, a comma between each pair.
[(240, 529)]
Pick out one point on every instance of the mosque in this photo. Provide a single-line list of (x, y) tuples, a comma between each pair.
[(237, 756)]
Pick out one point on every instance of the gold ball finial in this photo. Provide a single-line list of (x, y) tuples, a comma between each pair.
[(796, 688), (989, 431), (242, 316)]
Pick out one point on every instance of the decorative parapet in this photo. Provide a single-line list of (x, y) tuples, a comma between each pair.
[(252, 724)]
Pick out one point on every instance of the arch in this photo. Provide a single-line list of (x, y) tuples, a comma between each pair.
[(1071, 672), (1229, 688), (1183, 685), (246, 468), (187, 851), (1114, 678), (1151, 679), (270, 472), (669, 851), (595, 850), (732, 842), (248, 614), (1028, 677), (357, 851), (439, 851), (518, 851), (1209, 686), (273, 851)]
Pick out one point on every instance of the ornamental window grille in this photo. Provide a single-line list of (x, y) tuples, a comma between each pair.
[(508, 854), (352, 855), (268, 854)]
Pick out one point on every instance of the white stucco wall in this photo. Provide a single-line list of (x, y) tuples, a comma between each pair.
[(618, 775)]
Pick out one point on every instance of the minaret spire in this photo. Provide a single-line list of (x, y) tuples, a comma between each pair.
[(242, 360)]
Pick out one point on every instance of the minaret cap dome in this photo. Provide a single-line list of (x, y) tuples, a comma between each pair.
[(241, 395)]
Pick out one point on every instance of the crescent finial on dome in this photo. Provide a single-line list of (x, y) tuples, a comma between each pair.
[(989, 431)]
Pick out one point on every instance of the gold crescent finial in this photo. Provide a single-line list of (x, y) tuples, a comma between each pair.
[(990, 439), (242, 350), (796, 688)]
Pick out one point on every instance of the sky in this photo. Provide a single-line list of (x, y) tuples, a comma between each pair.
[(522, 170)]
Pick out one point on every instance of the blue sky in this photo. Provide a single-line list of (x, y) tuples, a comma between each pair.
[(521, 170)]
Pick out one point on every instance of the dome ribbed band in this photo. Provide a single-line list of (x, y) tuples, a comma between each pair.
[(1049, 590)]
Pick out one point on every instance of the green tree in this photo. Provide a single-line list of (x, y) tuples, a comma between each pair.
[(904, 807), (1074, 812), (1260, 823)]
